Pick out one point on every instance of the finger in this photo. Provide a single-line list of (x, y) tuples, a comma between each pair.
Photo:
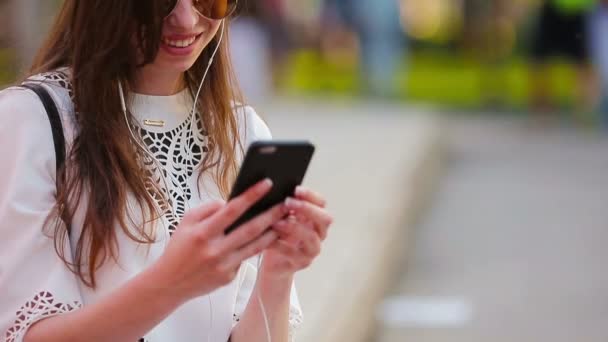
[(308, 195), (299, 236), (306, 210), (321, 231), (202, 212), (218, 222), (282, 227), (293, 257), (310, 241), (287, 231), (252, 249), (309, 211), (252, 229)]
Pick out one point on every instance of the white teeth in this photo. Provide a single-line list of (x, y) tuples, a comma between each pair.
[(179, 43)]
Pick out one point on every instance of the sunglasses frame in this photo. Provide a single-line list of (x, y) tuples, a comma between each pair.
[(201, 14)]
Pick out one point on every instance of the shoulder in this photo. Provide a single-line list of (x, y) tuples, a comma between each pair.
[(26, 139), (21, 109), (59, 85), (18, 103), (251, 126)]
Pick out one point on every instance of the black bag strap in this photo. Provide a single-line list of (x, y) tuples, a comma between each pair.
[(55, 120), (57, 130)]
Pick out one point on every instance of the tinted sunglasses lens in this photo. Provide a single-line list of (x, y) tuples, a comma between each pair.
[(215, 9)]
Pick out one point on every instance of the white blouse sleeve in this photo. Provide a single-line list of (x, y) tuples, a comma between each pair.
[(34, 281), (255, 129)]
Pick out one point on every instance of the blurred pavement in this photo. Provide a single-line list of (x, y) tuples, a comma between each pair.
[(517, 238), (376, 164)]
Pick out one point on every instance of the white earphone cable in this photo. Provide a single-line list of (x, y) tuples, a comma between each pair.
[(200, 87), (264, 315)]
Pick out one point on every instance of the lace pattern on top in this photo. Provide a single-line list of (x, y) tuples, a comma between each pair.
[(177, 153), (62, 80), (41, 306)]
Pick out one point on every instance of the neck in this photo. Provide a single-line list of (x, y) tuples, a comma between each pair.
[(158, 83)]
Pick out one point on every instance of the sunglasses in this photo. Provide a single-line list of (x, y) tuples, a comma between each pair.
[(212, 9)]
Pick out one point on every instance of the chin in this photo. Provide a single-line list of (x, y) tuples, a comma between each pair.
[(174, 65), (179, 64), (182, 67)]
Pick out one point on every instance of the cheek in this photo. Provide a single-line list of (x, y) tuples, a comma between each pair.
[(215, 32), (208, 42)]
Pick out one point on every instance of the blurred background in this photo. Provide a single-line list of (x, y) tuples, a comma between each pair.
[(505, 105), (519, 56)]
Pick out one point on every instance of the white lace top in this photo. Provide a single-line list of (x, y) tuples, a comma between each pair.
[(35, 283)]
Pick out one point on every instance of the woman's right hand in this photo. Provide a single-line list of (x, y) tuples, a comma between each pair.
[(201, 258)]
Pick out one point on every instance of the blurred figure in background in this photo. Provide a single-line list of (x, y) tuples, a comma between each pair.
[(259, 40), (561, 32), (381, 40), (489, 37), (598, 29)]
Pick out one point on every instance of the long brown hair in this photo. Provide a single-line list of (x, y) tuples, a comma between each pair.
[(94, 38)]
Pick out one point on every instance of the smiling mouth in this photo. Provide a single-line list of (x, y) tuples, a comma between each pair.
[(180, 43)]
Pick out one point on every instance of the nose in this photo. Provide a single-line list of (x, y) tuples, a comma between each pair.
[(184, 16)]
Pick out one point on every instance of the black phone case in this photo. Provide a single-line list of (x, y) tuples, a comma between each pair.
[(284, 162)]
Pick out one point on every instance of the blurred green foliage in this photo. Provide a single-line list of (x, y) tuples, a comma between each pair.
[(443, 78), (440, 78), (309, 73)]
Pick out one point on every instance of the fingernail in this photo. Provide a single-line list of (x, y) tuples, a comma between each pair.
[(268, 182), (299, 190), (291, 203)]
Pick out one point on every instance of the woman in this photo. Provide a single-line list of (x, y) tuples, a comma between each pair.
[(144, 255)]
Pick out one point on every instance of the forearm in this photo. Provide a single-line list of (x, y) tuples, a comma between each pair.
[(276, 299), (126, 314)]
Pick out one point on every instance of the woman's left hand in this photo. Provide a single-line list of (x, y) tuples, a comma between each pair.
[(300, 235)]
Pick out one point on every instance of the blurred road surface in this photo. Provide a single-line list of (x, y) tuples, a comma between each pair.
[(515, 246)]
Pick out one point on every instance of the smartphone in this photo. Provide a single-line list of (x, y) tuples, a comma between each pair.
[(284, 162)]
